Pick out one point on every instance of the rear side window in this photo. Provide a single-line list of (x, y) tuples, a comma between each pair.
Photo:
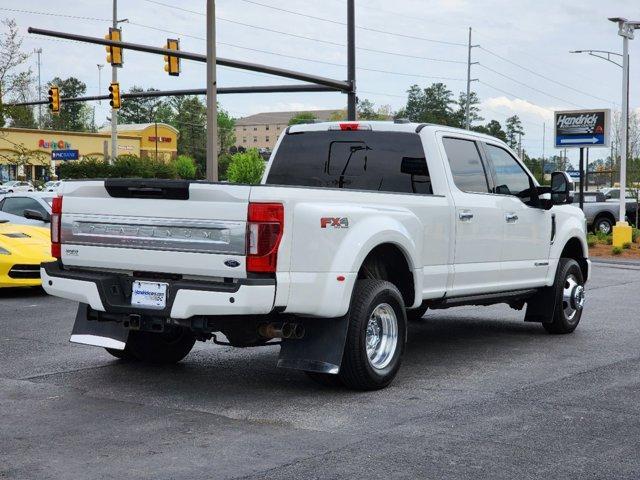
[(359, 160), (466, 165)]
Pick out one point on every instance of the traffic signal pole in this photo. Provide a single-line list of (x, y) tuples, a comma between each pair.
[(114, 112), (212, 98)]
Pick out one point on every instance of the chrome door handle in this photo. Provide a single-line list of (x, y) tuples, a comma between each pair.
[(465, 215), (511, 218)]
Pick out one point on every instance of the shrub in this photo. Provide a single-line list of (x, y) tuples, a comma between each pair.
[(246, 167), (223, 165), (609, 241), (185, 167), (90, 167), (626, 245), (602, 237), (125, 166), (592, 240), (616, 250), (635, 235)]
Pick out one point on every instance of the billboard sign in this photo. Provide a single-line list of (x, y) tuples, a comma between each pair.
[(64, 155), (582, 128)]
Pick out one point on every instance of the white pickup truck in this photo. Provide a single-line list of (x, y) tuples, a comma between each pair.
[(355, 229)]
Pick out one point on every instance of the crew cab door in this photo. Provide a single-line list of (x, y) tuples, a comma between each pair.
[(527, 229), (478, 220)]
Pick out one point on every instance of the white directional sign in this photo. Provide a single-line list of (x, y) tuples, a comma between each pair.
[(582, 128)]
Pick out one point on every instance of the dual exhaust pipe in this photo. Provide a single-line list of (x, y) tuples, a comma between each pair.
[(290, 331)]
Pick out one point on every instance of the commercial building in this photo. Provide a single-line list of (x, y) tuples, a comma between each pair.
[(31, 153), (263, 129)]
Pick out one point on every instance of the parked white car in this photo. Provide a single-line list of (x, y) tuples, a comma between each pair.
[(18, 186), (355, 229), (52, 186)]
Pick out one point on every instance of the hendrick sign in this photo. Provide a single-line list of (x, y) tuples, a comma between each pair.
[(582, 128)]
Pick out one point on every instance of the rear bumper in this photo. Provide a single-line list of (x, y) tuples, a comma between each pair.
[(109, 292)]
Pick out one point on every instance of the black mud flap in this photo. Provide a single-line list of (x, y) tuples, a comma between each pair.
[(321, 348), (96, 333), (542, 306)]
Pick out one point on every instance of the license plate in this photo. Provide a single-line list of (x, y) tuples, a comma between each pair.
[(149, 294)]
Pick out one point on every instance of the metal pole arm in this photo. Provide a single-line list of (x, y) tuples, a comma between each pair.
[(341, 85)]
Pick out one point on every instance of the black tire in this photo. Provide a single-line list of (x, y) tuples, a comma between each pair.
[(416, 314), (357, 371), (121, 354), (162, 348), (568, 271), (603, 224), (325, 379)]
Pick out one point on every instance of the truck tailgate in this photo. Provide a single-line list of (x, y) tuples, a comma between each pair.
[(138, 226)]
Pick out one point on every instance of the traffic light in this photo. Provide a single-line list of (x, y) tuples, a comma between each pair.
[(54, 99), (171, 63), (114, 54), (114, 95)]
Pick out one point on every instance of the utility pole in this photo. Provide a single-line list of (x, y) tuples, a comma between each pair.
[(352, 98), (114, 112), (544, 132), (467, 113), (99, 65), (212, 100), (622, 232), (39, 52)]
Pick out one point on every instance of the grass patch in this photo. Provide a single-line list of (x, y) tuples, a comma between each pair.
[(626, 246), (616, 250)]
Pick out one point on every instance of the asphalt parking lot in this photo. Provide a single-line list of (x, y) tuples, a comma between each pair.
[(481, 395)]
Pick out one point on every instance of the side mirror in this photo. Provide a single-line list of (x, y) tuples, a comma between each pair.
[(561, 187), (36, 215)]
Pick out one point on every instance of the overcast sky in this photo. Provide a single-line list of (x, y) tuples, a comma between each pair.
[(536, 35)]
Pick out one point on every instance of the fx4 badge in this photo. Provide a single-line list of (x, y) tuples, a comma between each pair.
[(334, 222)]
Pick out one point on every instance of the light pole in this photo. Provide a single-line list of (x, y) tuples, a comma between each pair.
[(39, 52), (622, 232)]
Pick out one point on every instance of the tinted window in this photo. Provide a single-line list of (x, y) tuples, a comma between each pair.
[(466, 165), (362, 160), (17, 205), (511, 179)]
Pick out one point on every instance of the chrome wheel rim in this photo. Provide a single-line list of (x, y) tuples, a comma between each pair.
[(573, 297), (381, 336), (604, 227)]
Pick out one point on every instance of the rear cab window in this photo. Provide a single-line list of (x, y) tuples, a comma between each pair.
[(392, 162)]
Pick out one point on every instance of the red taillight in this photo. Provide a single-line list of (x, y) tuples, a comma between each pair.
[(349, 126), (56, 219), (265, 223)]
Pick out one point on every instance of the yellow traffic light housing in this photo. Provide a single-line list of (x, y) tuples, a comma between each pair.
[(54, 99), (114, 96), (171, 63), (114, 54)]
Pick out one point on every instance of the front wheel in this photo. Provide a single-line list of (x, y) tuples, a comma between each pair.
[(163, 348), (603, 225), (376, 336), (569, 297)]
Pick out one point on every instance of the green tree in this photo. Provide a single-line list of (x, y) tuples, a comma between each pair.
[(144, 109), (474, 110), (302, 117), (514, 130), (226, 131), (190, 118), (73, 116), (431, 105), (492, 128), (246, 167), (15, 84), (367, 111)]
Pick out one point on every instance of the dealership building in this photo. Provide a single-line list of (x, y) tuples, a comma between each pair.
[(31, 153)]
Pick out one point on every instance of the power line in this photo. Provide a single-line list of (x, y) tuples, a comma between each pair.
[(490, 52), (77, 17), (528, 86)]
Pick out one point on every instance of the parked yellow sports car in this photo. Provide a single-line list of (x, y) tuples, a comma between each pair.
[(22, 249)]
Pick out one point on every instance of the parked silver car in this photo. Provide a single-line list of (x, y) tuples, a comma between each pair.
[(27, 208)]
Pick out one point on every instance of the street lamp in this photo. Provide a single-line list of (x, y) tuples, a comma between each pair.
[(622, 232)]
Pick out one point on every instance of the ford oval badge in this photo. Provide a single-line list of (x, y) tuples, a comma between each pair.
[(232, 263)]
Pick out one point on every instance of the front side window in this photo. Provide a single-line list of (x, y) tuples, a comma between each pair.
[(466, 165), (511, 179), (358, 160)]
